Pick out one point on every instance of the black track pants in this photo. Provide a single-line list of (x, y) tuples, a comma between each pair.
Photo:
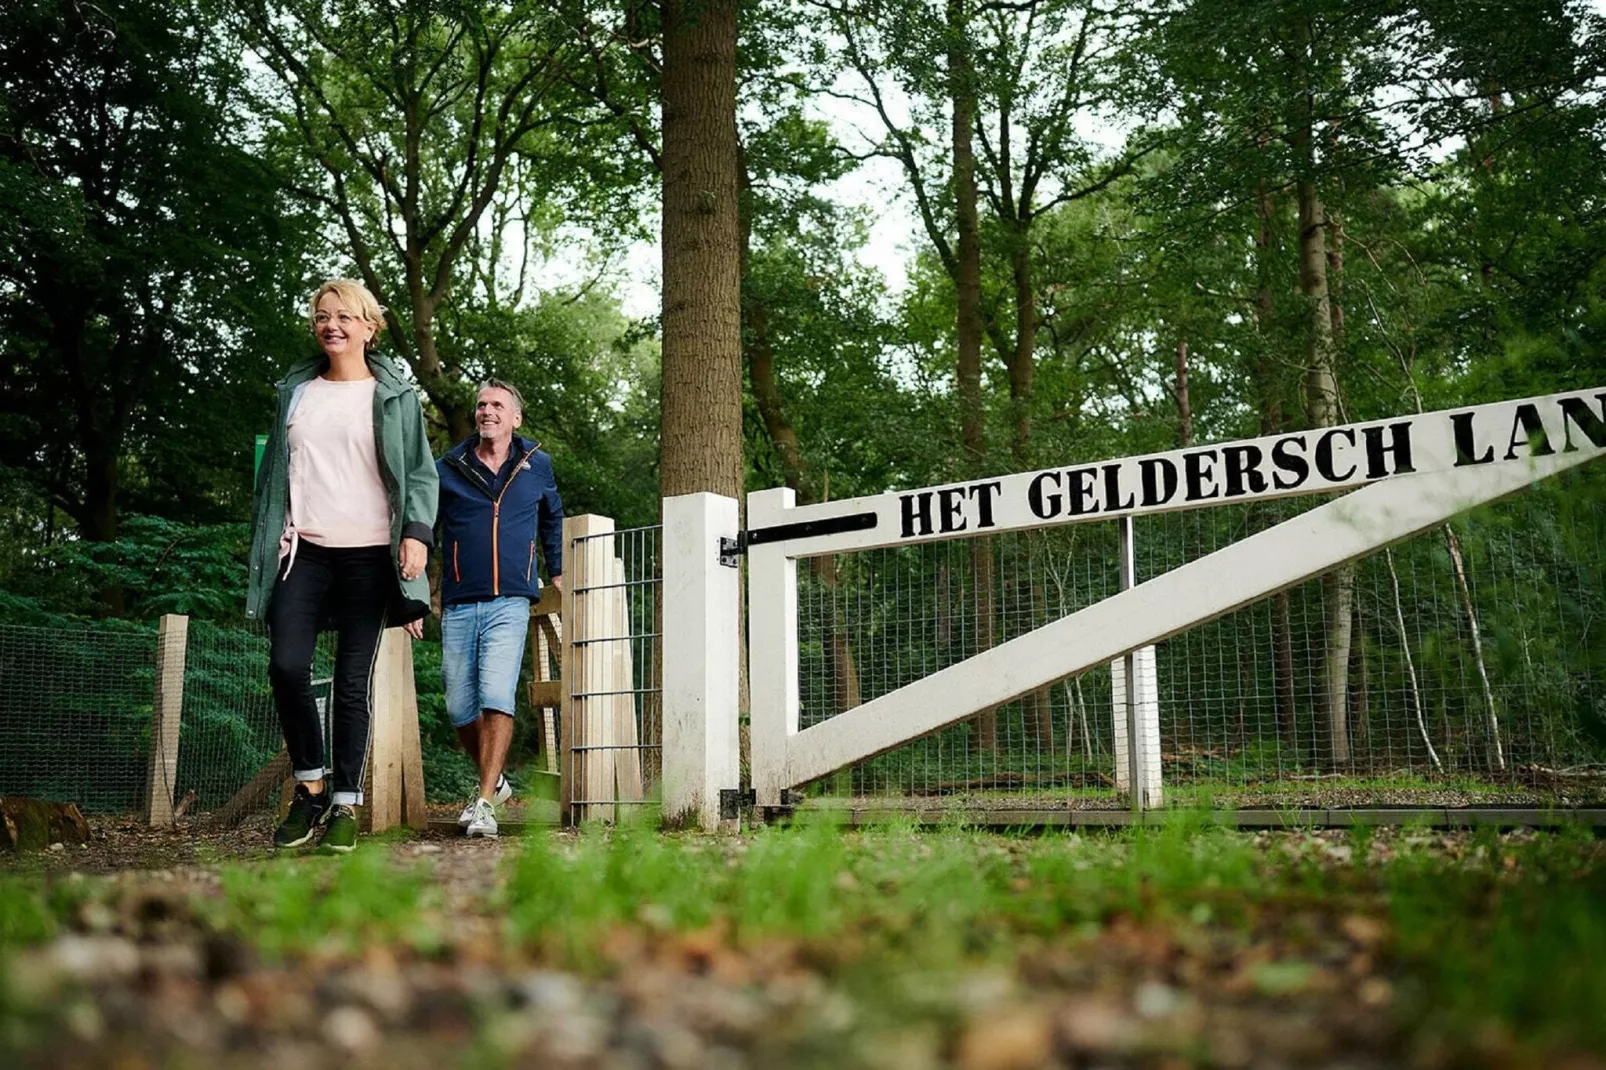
[(349, 587)]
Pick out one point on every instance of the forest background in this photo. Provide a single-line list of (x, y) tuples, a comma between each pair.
[(1129, 227)]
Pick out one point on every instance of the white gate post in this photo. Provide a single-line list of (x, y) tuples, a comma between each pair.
[(772, 655), (1136, 707), (701, 657)]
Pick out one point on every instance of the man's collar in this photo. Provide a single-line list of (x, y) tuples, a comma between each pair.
[(516, 444)]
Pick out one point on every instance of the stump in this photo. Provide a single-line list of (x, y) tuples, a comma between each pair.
[(32, 824)]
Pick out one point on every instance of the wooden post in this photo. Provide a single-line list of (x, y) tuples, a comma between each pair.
[(622, 681), (588, 772), (546, 691), (395, 793), (167, 712)]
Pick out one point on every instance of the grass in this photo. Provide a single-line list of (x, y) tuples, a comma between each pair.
[(1475, 932)]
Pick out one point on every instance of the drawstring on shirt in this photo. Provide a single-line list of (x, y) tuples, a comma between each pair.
[(288, 541)]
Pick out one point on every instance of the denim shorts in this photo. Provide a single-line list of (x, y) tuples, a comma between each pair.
[(482, 649)]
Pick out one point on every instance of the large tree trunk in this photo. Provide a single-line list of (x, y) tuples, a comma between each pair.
[(1269, 399), (701, 448), (967, 286), (1038, 707), (1023, 357), (1321, 401)]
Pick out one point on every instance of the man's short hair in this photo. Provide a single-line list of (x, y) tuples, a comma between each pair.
[(500, 384)]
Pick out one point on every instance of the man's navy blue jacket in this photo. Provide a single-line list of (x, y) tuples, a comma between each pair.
[(489, 524)]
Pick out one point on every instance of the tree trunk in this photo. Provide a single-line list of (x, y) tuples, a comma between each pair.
[(1360, 698), (1497, 751), (1321, 400), (1271, 422), (701, 447), (448, 401), (967, 287), (1184, 403), (1025, 353)]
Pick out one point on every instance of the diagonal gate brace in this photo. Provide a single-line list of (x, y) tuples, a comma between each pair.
[(1280, 557)]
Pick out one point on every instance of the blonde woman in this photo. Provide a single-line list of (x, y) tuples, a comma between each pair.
[(345, 504)]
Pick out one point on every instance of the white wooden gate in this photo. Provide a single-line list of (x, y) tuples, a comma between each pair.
[(1408, 475)]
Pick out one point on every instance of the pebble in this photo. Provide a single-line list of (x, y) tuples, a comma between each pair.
[(57, 847), (173, 960), (1097, 1025), (549, 993), (577, 1038), (96, 958), (1155, 1000), (350, 1029), (1017, 1039)]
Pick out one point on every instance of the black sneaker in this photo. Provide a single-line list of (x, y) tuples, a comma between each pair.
[(340, 830), (308, 813)]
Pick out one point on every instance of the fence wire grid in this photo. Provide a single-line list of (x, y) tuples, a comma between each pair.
[(1434, 709), (615, 671)]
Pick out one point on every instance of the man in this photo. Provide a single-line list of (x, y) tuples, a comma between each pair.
[(498, 499)]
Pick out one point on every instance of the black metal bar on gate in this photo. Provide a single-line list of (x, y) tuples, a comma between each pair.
[(808, 529)]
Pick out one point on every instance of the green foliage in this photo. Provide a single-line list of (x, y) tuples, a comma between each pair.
[(310, 904), (145, 253), (161, 566), (25, 916), (1522, 953)]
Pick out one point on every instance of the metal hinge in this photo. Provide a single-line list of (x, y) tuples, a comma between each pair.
[(731, 550), (731, 801)]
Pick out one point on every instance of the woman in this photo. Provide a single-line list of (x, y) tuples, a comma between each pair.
[(345, 504)]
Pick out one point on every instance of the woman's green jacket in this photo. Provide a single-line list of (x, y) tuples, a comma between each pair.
[(405, 464)]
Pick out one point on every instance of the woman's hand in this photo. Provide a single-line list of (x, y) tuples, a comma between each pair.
[(415, 628), (412, 559)]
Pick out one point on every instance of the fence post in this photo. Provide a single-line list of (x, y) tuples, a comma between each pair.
[(587, 765), (395, 762), (701, 655), (772, 654), (1134, 694), (167, 713)]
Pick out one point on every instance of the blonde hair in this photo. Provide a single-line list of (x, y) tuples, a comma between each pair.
[(355, 296)]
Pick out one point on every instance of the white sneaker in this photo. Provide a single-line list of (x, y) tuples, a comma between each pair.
[(484, 821), (504, 792)]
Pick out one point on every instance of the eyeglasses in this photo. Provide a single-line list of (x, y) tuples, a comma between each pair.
[(345, 319)]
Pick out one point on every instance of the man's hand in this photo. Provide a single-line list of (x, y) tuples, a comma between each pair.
[(412, 559), (415, 628), (557, 581)]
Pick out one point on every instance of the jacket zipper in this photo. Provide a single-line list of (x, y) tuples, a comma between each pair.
[(457, 573), (530, 566), (496, 519)]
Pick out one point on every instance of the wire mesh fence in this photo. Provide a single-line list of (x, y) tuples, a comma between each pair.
[(75, 714), (231, 729), (77, 706), (615, 671), (1467, 663)]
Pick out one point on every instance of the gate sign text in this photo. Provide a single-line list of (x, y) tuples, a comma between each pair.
[(1301, 462)]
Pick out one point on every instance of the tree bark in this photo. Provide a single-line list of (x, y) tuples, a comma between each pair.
[(1024, 355), (1321, 401), (967, 293), (701, 447), (1269, 398), (1184, 403)]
